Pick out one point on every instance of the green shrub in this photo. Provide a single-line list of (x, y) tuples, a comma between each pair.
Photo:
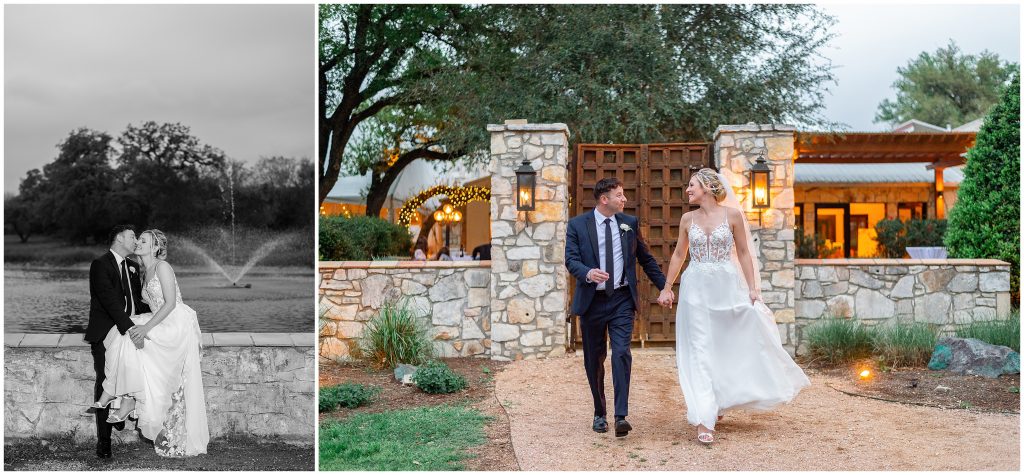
[(899, 344), (985, 222), (359, 238), (437, 378), (995, 332), (350, 395), (813, 247), (396, 335), (837, 340), (895, 236)]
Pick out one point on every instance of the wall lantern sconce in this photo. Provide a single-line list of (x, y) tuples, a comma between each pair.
[(526, 187), (760, 185)]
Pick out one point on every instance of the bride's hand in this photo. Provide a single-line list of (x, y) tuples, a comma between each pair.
[(666, 298), (754, 296)]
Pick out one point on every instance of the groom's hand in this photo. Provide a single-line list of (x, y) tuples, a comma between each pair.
[(597, 276), (666, 298)]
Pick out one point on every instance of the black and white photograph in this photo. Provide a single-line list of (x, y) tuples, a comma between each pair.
[(159, 249)]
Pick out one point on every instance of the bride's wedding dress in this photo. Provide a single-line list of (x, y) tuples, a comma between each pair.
[(729, 353), (164, 376)]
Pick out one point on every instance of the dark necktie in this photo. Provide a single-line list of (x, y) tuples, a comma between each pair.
[(125, 286), (609, 257)]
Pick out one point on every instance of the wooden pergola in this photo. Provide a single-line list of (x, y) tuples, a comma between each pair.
[(940, 149)]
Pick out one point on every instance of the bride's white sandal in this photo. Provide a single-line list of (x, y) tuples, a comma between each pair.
[(706, 438)]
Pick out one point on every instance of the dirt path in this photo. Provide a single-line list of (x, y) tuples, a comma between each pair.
[(550, 411)]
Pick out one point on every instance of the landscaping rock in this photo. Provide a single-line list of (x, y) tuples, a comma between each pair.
[(404, 372), (973, 356)]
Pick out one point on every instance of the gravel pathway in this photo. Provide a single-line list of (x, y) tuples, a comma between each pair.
[(550, 411)]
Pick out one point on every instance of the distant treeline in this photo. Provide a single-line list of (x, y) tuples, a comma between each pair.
[(156, 175)]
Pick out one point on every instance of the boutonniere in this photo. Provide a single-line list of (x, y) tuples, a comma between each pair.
[(131, 269), (625, 228)]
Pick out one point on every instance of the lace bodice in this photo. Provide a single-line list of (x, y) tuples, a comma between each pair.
[(153, 294), (716, 247)]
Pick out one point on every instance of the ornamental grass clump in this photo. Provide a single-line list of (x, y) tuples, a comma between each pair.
[(837, 340), (995, 332), (903, 344), (396, 335)]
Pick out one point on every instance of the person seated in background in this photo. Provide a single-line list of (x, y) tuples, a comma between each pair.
[(419, 255), (443, 255), (482, 252)]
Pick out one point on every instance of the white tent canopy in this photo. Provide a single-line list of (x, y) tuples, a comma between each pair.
[(414, 178)]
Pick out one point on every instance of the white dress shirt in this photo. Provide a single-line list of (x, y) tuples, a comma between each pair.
[(131, 301), (616, 248)]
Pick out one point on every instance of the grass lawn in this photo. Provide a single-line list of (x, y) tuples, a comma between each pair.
[(422, 438), (223, 454)]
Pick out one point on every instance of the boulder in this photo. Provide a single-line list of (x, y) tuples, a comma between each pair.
[(404, 372), (973, 356)]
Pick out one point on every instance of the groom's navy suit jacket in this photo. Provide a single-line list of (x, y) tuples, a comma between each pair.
[(581, 255), (107, 300)]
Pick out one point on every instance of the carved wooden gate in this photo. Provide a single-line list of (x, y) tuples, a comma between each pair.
[(654, 178)]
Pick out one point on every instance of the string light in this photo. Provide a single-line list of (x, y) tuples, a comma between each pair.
[(458, 196)]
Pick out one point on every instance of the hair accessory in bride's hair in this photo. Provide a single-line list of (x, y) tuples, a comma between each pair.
[(709, 179), (159, 243)]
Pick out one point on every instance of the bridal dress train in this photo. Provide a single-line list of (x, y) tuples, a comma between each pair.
[(729, 353), (164, 376)]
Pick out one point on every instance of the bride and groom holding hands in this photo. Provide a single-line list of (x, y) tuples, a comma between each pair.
[(146, 348), (729, 353)]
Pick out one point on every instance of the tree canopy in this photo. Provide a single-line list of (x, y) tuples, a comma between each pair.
[(155, 175), (946, 87), (620, 73)]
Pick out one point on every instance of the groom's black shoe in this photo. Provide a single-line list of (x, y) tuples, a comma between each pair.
[(600, 424), (118, 426), (103, 451), (622, 427)]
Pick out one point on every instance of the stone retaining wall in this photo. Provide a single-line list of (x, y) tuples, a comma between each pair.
[(259, 384), (946, 292), (454, 295)]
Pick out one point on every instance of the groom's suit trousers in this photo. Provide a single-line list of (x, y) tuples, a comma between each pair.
[(612, 314)]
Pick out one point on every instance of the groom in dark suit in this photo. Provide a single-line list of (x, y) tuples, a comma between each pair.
[(115, 290), (602, 248)]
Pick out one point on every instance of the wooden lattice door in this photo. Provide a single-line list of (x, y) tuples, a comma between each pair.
[(654, 178)]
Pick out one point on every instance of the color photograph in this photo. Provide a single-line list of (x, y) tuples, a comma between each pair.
[(752, 237)]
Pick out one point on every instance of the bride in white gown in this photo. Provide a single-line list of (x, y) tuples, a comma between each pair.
[(163, 376), (729, 353)]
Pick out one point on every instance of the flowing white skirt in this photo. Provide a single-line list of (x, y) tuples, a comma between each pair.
[(729, 354), (165, 379)]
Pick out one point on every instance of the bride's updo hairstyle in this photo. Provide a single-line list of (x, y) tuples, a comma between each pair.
[(159, 242), (708, 178)]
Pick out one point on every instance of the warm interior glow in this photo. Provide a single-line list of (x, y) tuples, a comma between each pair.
[(524, 197), (447, 209), (438, 215), (759, 195), (457, 216)]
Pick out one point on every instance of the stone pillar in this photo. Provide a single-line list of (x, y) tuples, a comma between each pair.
[(736, 150), (529, 287)]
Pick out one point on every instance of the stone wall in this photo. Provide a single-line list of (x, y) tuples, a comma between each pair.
[(945, 292), (736, 149), (259, 384), (453, 295), (529, 285)]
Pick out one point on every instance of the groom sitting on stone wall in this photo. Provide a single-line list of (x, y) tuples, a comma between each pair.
[(602, 248)]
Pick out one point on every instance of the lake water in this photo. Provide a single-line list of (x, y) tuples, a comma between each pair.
[(57, 300)]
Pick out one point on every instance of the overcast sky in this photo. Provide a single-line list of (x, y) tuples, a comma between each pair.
[(241, 76), (874, 40)]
